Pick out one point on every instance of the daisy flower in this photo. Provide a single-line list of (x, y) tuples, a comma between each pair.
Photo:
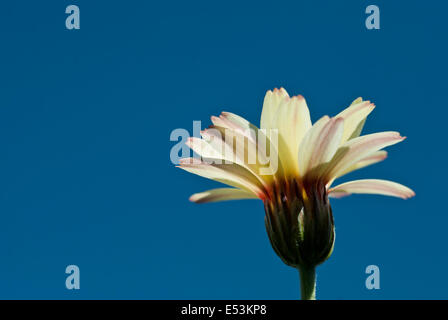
[(291, 165)]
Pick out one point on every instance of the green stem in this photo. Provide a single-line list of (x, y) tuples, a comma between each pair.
[(308, 283)]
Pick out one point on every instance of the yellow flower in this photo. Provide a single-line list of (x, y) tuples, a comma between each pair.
[(291, 164)]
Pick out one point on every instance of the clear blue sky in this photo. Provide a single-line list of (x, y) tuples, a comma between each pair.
[(85, 120)]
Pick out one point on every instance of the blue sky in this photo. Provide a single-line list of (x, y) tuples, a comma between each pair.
[(85, 120)]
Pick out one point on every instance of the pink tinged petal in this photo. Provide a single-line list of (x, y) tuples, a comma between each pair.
[(308, 143), (203, 148), (238, 124), (253, 134), (372, 186), (358, 148), (226, 123), (265, 150), (237, 120), (215, 139), (327, 143), (271, 103), (221, 140), (292, 121), (216, 151), (354, 117), (212, 156), (221, 194), (231, 174), (225, 128), (239, 149), (375, 157)]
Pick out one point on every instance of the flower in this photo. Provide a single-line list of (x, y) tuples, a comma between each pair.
[(290, 164)]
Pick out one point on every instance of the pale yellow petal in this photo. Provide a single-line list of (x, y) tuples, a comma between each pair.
[(204, 149), (292, 121), (243, 151), (375, 157), (225, 122), (354, 117), (326, 145), (266, 150), (221, 194), (215, 139), (271, 103), (308, 143), (231, 174), (237, 120), (246, 147), (372, 186), (358, 148), (357, 100)]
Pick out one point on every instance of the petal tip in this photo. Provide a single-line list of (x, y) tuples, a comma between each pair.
[(194, 198), (409, 195)]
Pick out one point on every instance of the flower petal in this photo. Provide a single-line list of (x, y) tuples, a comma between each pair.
[(308, 143), (358, 148), (213, 155), (372, 186), (354, 117), (271, 103), (240, 149), (364, 162), (250, 142), (326, 145), (292, 121), (240, 124), (266, 144), (204, 149), (229, 123), (221, 194), (231, 174)]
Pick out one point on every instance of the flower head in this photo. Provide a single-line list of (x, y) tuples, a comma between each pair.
[(290, 164)]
